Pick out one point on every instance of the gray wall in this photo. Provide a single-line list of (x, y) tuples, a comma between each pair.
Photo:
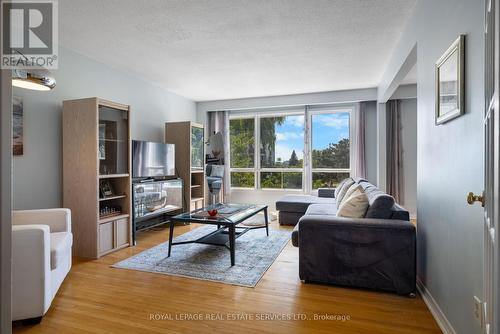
[(270, 197), (409, 148), (450, 158), (341, 96), (407, 93), (371, 141), (38, 174)]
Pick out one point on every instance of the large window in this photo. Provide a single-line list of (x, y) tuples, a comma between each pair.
[(242, 153), (267, 150), (281, 151), (330, 155)]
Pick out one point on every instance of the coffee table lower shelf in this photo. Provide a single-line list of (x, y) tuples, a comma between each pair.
[(225, 235)]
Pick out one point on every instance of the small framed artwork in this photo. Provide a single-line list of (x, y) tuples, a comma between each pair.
[(102, 143), (450, 82), (106, 189)]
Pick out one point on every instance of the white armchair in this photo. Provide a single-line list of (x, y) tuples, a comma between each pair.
[(41, 259)]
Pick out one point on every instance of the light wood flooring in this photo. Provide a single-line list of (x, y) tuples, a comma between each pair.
[(96, 298)]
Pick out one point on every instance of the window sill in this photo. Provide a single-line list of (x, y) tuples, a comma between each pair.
[(267, 190)]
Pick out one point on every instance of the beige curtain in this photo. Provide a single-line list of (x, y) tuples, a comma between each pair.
[(359, 156), (395, 179)]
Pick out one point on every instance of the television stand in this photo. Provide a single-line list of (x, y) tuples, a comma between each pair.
[(154, 202)]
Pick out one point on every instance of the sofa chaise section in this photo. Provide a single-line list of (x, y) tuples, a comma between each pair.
[(292, 207)]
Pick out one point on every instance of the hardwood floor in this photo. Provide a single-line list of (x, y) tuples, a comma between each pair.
[(96, 298)]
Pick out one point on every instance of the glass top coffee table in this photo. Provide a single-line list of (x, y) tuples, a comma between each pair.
[(227, 218)]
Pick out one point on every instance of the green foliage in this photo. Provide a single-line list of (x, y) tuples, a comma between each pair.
[(334, 156), (242, 142), (268, 141), (294, 161), (327, 180), (281, 180), (242, 179)]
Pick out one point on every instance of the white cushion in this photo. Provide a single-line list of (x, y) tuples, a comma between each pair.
[(60, 247), (41, 259), (350, 190), (354, 206)]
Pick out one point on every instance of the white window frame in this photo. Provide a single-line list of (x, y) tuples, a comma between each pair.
[(278, 170), (307, 112), (351, 109), (242, 169)]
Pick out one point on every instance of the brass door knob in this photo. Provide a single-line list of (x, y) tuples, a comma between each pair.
[(471, 198)]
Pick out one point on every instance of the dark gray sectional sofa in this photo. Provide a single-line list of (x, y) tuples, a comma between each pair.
[(375, 252)]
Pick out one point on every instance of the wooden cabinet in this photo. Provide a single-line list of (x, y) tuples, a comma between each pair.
[(113, 235), (122, 233), (96, 174), (188, 138), (106, 242)]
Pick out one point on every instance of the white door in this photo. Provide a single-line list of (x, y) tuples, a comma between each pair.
[(490, 197)]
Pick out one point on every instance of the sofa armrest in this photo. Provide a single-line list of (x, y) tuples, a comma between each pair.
[(363, 252), (31, 274), (328, 221), (326, 192), (59, 220), (317, 230)]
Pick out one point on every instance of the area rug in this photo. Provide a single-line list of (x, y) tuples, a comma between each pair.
[(257, 220), (255, 253)]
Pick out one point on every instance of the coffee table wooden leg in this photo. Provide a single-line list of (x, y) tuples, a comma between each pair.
[(170, 237), (266, 220), (232, 237)]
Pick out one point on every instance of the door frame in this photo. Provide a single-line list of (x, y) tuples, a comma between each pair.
[(491, 250), (5, 201), (496, 199)]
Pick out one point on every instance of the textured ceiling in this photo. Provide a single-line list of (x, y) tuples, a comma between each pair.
[(222, 49)]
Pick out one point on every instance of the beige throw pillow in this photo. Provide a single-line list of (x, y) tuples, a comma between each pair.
[(354, 206), (349, 192), (347, 184)]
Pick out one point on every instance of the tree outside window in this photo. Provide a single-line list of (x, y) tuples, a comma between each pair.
[(281, 150), (330, 148)]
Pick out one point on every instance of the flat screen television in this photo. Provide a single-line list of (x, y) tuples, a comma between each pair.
[(152, 160)]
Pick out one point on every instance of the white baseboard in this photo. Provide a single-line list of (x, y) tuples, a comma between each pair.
[(436, 311)]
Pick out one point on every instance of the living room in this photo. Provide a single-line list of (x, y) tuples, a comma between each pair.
[(249, 166)]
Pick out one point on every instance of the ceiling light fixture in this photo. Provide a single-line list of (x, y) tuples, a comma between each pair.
[(32, 78)]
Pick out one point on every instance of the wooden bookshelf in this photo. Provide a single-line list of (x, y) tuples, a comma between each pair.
[(110, 198), (96, 156), (113, 218), (113, 176), (188, 137)]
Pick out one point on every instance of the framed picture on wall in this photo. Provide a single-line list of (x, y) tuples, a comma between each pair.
[(450, 82)]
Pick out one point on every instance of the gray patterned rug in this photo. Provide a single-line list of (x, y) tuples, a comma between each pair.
[(255, 253)]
